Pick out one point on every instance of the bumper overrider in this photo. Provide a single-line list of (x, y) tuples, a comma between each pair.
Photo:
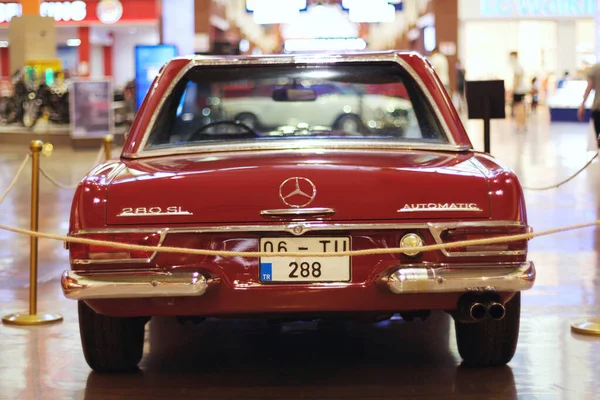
[(423, 279)]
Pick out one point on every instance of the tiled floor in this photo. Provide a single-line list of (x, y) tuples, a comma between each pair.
[(243, 360)]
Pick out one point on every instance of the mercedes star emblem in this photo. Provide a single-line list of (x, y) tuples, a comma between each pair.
[(297, 192)]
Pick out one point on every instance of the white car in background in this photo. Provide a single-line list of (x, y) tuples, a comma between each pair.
[(340, 107)]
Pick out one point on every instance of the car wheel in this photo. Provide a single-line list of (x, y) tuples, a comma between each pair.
[(110, 344), (248, 119), (490, 342), (349, 123)]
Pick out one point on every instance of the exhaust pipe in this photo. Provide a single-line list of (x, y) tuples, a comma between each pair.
[(496, 311), (469, 310), (477, 311), (475, 308)]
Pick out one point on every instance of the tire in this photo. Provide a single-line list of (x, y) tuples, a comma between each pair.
[(248, 119), (490, 343), (349, 123), (110, 344)]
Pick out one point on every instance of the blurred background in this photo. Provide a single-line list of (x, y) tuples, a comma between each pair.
[(45, 46)]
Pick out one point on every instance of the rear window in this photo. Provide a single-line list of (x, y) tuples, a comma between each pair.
[(226, 104)]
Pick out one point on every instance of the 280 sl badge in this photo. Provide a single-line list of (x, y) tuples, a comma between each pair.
[(416, 207), (152, 211)]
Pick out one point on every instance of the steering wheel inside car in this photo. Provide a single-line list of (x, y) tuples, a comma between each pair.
[(200, 134)]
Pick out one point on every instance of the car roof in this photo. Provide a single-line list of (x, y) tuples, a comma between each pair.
[(415, 64), (388, 55)]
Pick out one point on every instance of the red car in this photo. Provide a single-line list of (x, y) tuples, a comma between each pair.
[(191, 176)]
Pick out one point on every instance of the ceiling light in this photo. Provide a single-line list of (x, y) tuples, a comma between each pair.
[(329, 44), (73, 42)]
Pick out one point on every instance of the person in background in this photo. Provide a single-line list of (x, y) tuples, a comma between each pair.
[(561, 82), (460, 85), (518, 92), (130, 101), (535, 94), (593, 79), (441, 67)]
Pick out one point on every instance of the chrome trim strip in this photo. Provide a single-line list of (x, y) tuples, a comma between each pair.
[(508, 277), (390, 56), (437, 209), (300, 144), (427, 94), (128, 285), (297, 211), (161, 103), (162, 232), (300, 228), (115, 172), (150, 214)]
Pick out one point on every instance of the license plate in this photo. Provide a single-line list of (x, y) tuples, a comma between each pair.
[(305, 269)]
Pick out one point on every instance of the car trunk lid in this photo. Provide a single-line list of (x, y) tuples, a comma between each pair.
[(239, 187)]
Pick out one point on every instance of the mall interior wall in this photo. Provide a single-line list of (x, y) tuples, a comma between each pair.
[(32, 38), (549, 40)]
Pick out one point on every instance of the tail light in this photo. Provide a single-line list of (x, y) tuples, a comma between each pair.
[(459, 234), (98, 254)]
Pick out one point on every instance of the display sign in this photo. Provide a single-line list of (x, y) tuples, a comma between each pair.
[(88, 12), (486, 100), (373, 11), (275, 11), (109, 11), (91, 108), (148, 62), (537, 8), (59, 10), (288, 11)]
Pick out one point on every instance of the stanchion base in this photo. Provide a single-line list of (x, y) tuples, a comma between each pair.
[(589, 327), (28, 319)]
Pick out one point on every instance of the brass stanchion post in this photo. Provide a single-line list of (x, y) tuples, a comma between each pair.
[(591, 326), (33, 318), (108, 139)]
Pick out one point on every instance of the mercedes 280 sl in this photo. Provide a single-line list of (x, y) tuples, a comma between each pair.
[(193, 176)]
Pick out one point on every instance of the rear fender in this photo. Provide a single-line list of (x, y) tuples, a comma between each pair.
[(506, 194), (88, 208)]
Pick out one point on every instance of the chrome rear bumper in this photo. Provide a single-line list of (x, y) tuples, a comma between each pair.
[(123, 285), (509, 277)]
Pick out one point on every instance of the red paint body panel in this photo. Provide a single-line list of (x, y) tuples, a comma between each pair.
[(232, 188), (280, 300), (359, 185)]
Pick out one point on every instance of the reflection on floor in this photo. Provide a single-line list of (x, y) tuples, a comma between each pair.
[(394, 359)]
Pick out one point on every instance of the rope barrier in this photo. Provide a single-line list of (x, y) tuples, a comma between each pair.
[(351, 253), (99, 156), (14, 180), (556, 186), (57, 183), (116, 153)]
